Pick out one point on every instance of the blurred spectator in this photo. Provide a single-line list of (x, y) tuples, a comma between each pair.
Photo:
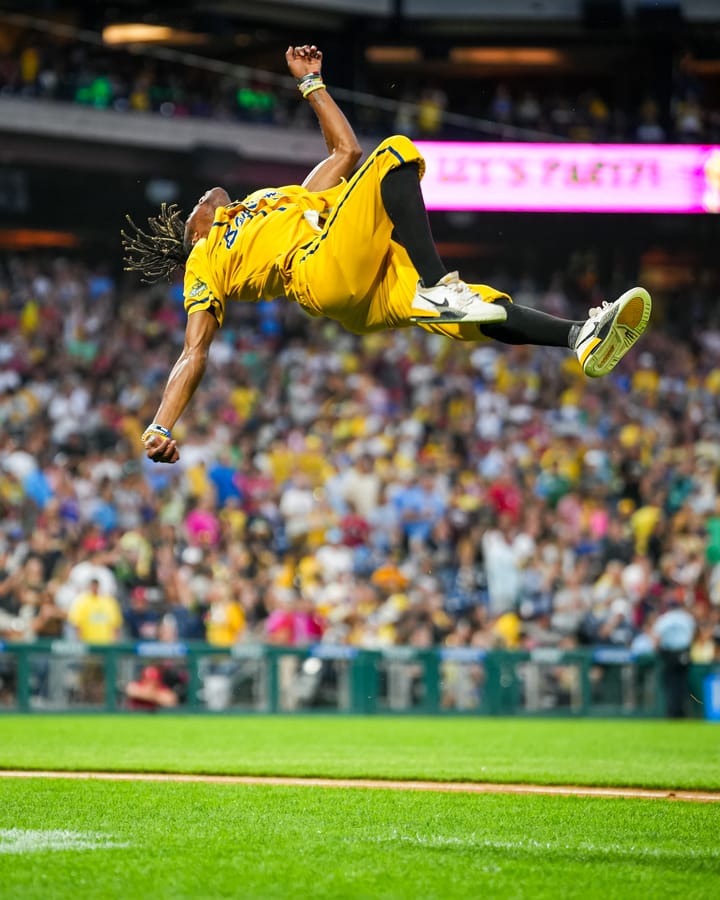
[(334, 558), (504, 555), (688, 118), (674, 632), (361, 485), (615, 628), (649, 129), (149, 691), (141, 620), (201, 523), (419, 504), (225, 619), (96, 617), (431, 104)]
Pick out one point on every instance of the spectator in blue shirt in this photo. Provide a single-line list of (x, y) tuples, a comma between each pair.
[(419, 506), (673, 632)]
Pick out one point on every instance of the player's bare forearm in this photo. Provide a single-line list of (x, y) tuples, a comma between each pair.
[(345, 151), (182, 383), (340, 139), (337, 131)]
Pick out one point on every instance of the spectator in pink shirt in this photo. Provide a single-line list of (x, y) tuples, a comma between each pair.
[(294, 623), (202, 524)]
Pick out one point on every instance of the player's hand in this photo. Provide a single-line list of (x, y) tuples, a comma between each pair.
[(164, 450), (303, 60)]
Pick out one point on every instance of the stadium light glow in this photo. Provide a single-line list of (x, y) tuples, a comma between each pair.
[(141, 33), (384, 55), (29, 238), (530, 57)]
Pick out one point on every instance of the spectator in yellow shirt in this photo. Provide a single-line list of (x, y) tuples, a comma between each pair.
[(97, 618), (225, 620)]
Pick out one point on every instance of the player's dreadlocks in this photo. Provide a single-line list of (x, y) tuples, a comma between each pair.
[(160, 251)]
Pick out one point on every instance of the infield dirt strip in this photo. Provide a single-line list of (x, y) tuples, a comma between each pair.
[(460, 787)]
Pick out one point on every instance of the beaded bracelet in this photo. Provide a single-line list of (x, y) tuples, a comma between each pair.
[(308, 76), (310, 83), (320, 86), (153, 430)]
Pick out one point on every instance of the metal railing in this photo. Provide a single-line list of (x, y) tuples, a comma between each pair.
[(67, 676)]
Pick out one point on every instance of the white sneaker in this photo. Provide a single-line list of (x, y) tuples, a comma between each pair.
[(611, 330), (451, 300)]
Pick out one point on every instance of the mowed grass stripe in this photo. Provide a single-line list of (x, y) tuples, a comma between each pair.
[(210, 841), (650, 754)]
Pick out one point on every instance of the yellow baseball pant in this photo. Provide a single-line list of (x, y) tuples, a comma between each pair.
[(353, 271)]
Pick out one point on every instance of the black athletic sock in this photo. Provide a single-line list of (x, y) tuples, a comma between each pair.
[(530, 326), (403, 202)]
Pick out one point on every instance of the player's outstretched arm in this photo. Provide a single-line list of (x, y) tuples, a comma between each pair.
[(186, 374), (305, 63)]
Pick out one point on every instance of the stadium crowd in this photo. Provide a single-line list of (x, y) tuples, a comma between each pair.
[(394, 489), (122, 81)]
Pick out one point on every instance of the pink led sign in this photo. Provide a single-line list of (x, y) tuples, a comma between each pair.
[(662, 178)]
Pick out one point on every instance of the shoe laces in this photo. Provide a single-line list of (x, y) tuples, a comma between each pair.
[(596, 311), (465, 293)]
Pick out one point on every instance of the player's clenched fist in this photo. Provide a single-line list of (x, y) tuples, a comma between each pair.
[(303, 60), (165, 451), (160, 446)]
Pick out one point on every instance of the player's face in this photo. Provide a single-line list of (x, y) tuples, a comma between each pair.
[(200, 220)]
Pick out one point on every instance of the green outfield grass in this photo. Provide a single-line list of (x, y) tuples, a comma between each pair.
[(219, 841), (586, 751), (88, 839)]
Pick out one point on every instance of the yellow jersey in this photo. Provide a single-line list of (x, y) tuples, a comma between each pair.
[(251, 244)]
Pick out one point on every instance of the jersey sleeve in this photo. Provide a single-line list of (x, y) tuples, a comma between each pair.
[(197, 292)]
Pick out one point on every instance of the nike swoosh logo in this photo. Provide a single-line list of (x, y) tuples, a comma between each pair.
[(435, 302)]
